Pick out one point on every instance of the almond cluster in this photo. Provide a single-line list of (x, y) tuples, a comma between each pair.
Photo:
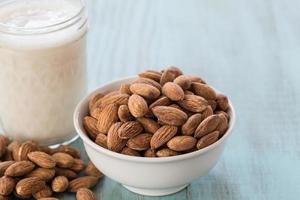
[(29, 170), (161, 113)]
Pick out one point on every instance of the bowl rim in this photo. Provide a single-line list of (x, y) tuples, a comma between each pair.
[(107, 152)]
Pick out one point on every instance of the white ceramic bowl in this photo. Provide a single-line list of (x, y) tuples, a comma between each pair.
[(149, 176)]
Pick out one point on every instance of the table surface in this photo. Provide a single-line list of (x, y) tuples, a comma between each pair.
[(250, 50)]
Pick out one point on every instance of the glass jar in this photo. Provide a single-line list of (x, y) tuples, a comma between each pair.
[(42, 68)]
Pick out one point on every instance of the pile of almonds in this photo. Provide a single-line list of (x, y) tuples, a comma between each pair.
[(161, 113), (29, 170)]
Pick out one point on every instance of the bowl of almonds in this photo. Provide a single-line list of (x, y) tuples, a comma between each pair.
[(157, 132)]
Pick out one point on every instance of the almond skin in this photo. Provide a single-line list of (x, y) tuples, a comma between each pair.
[(169, 115), (173, 91), (19, 168), (130, 152), (207, 140), (114, 142), (183, 81), (60, 184), (90, 125), (208, 125), (162, 136), (28, 186), (7, 185), (137, 105), (150, 126), (4, 165), (189, 127), (140, 142), (107, 117), (125, 89), (42, 173), (145, 90), (63, 160), (130, 129), (124, 114), (82, 182), (222, 102), (91, 170), (182, 143), (85, 194), (165, 152), (42, 159), (151, 75), (193, 103), (204, 91), (101, 140), (149, 82)]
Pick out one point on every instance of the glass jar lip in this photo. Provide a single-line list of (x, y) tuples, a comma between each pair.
[(4, 28)]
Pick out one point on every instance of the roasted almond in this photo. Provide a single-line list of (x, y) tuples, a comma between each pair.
[(197, 79), (114, 142), (162, 136), (14, 148), (189, 127), (130, 152), (183, 81), (149, 82), (154, 75), (72, 151), (140, 142), (42, 159), (63, 160), (125, 89), (166, 152), (145, 90), (82, 182), (85, 194), (115, 98), (149, 125), (19, 168), (29, 186), (60, 184), (208, 125), (26, 148), (167, 76), (78, 165), (107, 117), (193, 103), (182, 143), (204, 91), (4, 165), (173, 91), (101, 140), (130, 129), (207, 112), (65, 172), (91, 170), (169, 115), (213, 104), (150, 153), (162, 101), (207, 140), (90, 125), (93, 100), (223, 125), (42, 173), (222, 102), (43, 193), (7, 185), (3, 144), (124, 114), (137, 105), (95, 113)]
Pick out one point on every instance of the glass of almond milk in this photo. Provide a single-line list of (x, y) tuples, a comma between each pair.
[(42, 68)]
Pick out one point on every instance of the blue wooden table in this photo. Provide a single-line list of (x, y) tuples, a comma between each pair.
[(250, 50)]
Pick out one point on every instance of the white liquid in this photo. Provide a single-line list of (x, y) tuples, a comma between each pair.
[(42, 76)]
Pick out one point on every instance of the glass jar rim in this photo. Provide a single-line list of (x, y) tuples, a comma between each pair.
[(8, 29)]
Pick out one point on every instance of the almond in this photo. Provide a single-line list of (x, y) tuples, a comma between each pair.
[(85, 194), (124, 113), (208, 140), (60, 184), (4, 165), (193, 103), (3, 197), (114, 142), (101, 140), (65, 172), (169, 115), (149, 82), (7, 155), (43, 193), (93, 100), (95, 113), (187, 92), (223, 113), (125, 89), (182, 143), (173, 91), (130, 152), (82, 182), (42, 159), (222, 102), (183, 81), (207, 112), (162, 101), (115, 98), (189, 127), (26, 148), (63, 160), (168, 76), (140, 142), (7, 185), (223, 125), (107, 117), (48, 198), (78, 165), (72, 151), (19, 168), (149, 125), (3, 144), (91, 170), (45, 149), (197, 79), (208, 125), (145, 90), (29, 186), (137, 105), (151, 75), (90, 125), (213, 104), (162, 136), (130, 129), (204, 91), (42, 173), (165, 152), (14, 148), (150, 153), (175, 70)]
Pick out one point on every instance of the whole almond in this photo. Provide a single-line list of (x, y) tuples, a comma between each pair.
[(213, 104), (166, 152), (63, 160), (14, 148), (189, 127), (114, 98), (107, 117), (173, 91), (7, 185), (124, 114), (42, 173), (149, 82), (149, 125), (169, 115), (151, 75), (207, 112), (207, 140), (223, 125), (43, 193), (29, 186), (125, 89), (78, 165), (204, 91), (223, 113), (85, 194), (182, 143), (93, 100), (222, 102), (208, 125), (169, 75), (72, 151), (193, 103), (130, 152), (3, 144), (42, 159), (162, 101), (90, 125), (95, 113), (150, 153), (137, 105), (197, 79), (65, 172), (91, 170), (101, 140), (145, 90), (60, 184), (4, 165), (82, 182), (183, 81), (130, 129), (162, 136), (187, 92), (175, 70), (140, 142), (19, 168), (26, 148), (114, 142)]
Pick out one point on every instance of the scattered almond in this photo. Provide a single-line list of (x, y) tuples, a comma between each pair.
[(29, 186), (85, 194), (60, 184), (42, 173), (43, 193), (19, 168), (42, 159), (82, 182), (63, 160), (91, 170)]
